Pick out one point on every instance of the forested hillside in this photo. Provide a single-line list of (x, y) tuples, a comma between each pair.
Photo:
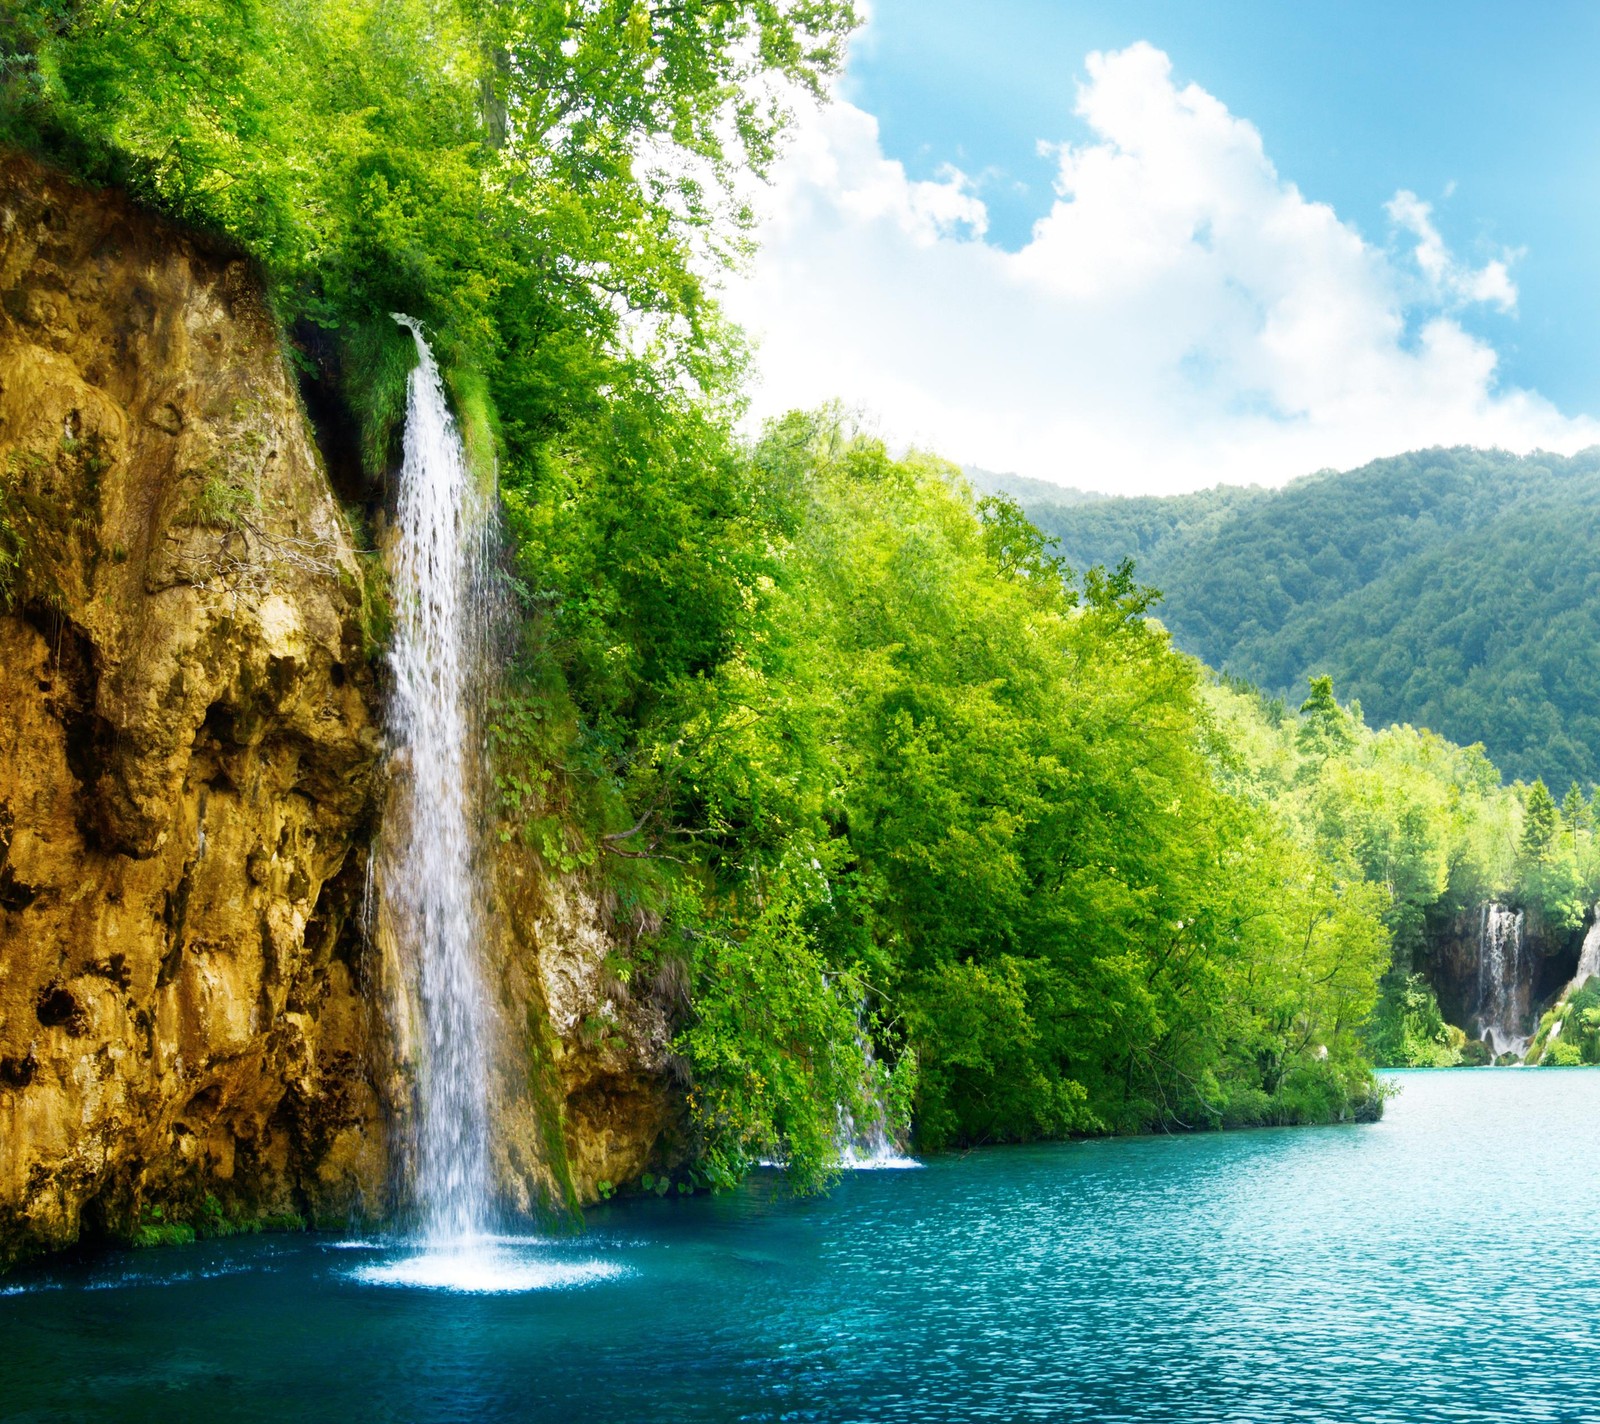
[(1452, 589)]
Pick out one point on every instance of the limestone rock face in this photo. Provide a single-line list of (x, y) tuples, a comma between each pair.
[(187, 749), (582, 1079), (578, 1039)]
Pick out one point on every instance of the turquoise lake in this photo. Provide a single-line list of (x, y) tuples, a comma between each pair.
[(1443, 1264)]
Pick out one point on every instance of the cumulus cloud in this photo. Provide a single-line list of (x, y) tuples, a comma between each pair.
[(1182, 315)]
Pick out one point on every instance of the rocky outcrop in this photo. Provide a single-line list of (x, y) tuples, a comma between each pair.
[(584, 1093), (1494, 964), (187, 750), (588, 1038)]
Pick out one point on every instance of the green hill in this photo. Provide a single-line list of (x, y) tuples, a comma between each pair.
[(1453, 589)]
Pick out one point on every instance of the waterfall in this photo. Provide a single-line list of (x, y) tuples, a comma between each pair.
[(1588, 956), (869, 1145), (429, 887), (869, 1148), (1588, 967), (447, 604), (1502, 1001)]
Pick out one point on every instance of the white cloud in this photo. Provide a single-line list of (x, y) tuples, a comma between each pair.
[(1448, 278), (1181, 315)]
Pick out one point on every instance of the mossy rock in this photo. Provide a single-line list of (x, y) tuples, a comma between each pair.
[(1562, 1054), (162, 1233)]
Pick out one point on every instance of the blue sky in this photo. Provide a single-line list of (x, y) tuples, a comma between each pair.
[(1276, 236), (1496, 104)]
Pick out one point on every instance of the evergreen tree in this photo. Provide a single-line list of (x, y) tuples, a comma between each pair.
[(1325, 727), (1541, 825), (1575, 811)]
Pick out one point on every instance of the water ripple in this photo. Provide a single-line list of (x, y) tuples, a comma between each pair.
[(1437, 1267)]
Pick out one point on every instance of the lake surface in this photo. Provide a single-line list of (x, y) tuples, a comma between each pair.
[(1443, 1264)]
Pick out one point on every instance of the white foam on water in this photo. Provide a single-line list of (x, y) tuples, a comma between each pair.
[(482, 1269), (889, 1162)]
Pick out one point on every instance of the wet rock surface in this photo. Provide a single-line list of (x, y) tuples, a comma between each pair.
[(187, 751)]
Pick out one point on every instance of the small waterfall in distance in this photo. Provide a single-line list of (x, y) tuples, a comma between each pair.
[(869, 1145), (1588, 967), (1588, 956), (429, 887), (1502, 1006)]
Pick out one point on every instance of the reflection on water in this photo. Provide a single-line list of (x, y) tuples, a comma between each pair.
[(1436, 1266)]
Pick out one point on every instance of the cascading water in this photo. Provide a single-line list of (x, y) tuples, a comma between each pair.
[(1502, 994), (1588, 967), (445, 600), (1588, 956), (869, 1145), (869, 1148), (429, 886)]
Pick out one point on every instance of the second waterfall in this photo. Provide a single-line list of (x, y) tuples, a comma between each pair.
[(441, 569)]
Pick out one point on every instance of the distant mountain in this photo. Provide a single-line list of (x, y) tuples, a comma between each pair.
[(1453, 589), (1021, 488)]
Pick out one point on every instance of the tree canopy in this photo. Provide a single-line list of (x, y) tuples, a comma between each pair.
[(1452, 589)]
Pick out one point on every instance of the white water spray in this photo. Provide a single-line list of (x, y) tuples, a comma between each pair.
[(869, 1145), (1502, 994), (1588, 956), (429, 886)]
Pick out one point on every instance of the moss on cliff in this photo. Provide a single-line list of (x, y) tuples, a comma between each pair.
[(549, 1114)]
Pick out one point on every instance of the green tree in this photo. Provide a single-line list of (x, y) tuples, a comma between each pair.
[(1017, 548), (1541, 826), (544, 185), (1026, 848), (1324, 725), (1576, 815)]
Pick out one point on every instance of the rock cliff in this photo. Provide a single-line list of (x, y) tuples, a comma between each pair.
[(195, 1025), (591, 1045), (187, 751)]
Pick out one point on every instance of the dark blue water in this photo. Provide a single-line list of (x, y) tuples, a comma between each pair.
[(1441, 1265)]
